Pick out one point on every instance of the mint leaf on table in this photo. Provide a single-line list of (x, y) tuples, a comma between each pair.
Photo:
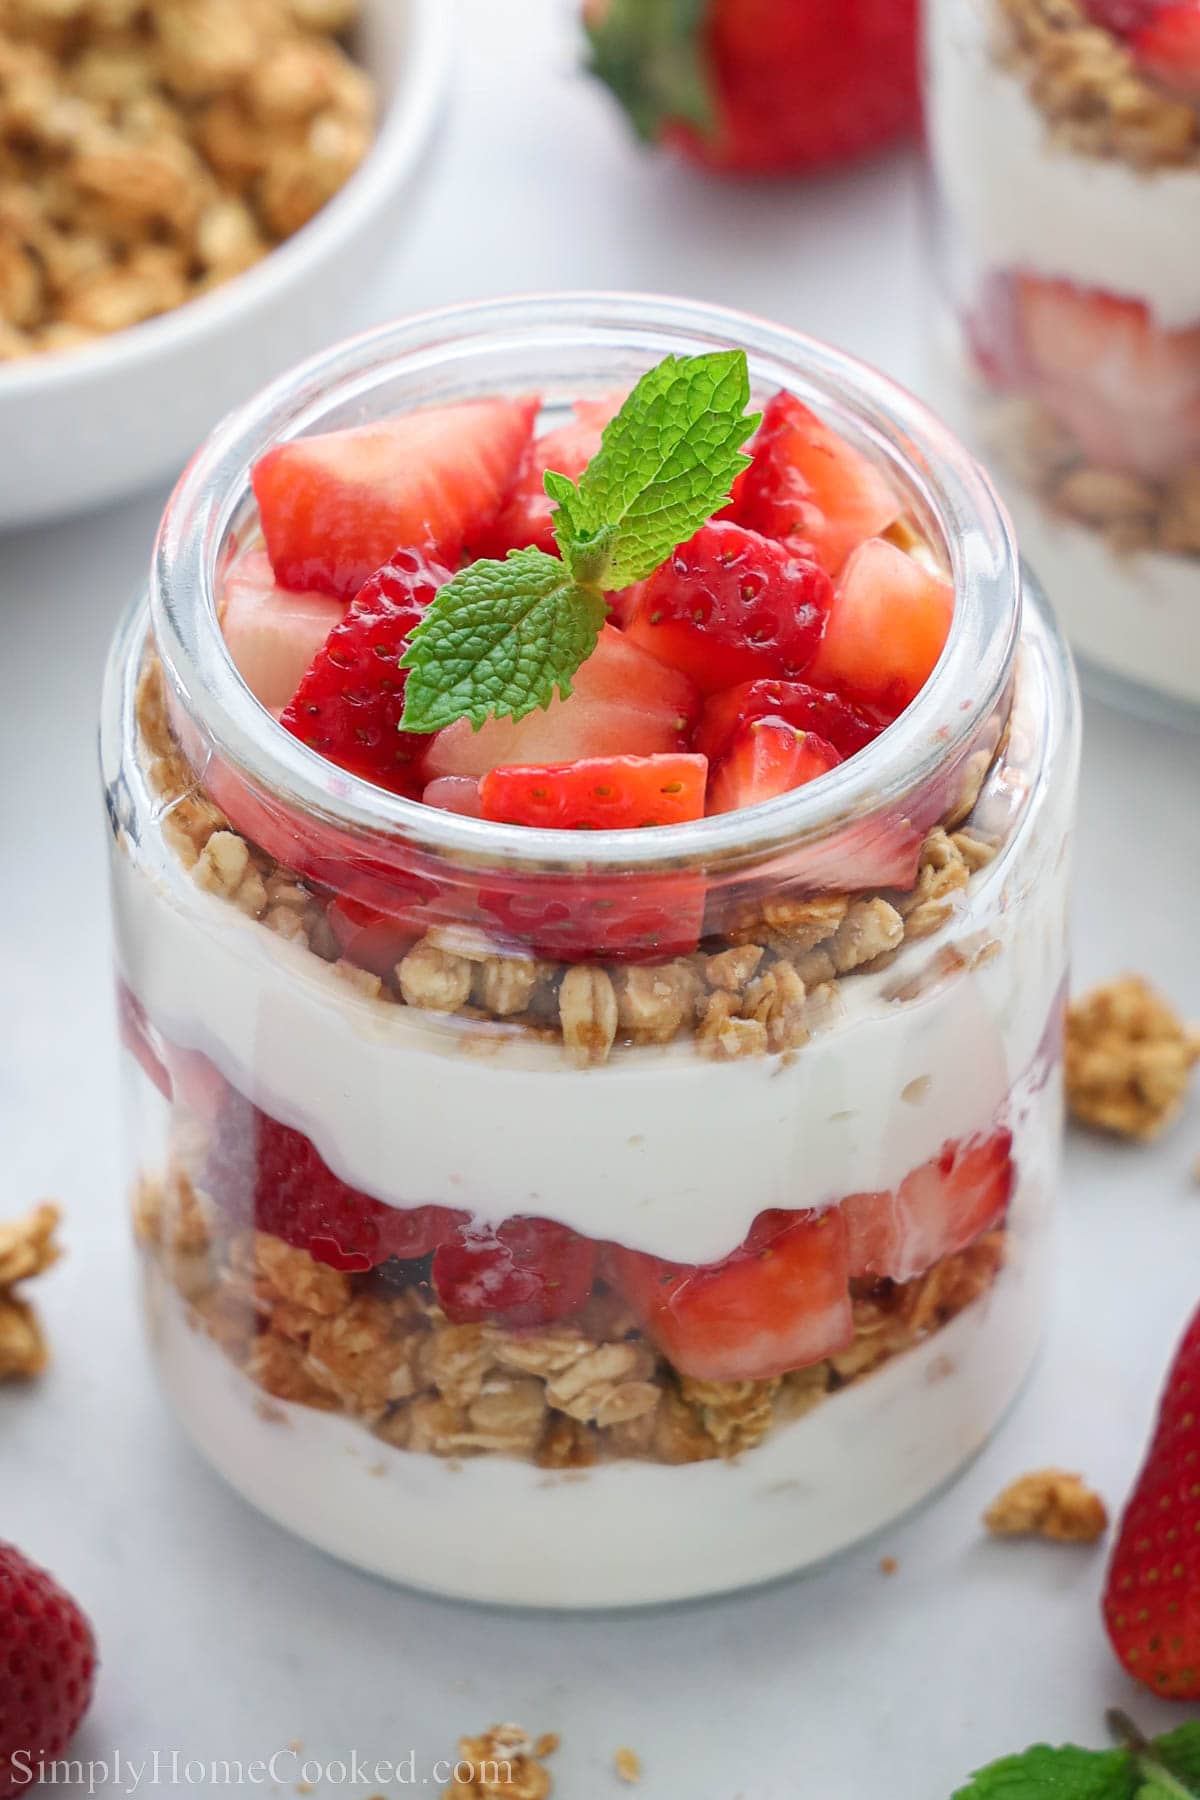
[(502, 638), (499, 638), (1164, 1768), (665, 464)]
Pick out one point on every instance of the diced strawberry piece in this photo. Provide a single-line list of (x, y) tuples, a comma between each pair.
[(887, 628), (620, 918), (273, 634), (807, 482), (527, 516), (522, 1273), (137, 1035), (367, 937), (454, 793), (731, 605), (1167, 44), (599, 793), (781, 1301), (848, 728), (336, 507), (1126, 389), (266, 1174), (349, 704), (936, 1211), (768, 757), (1122, 17), (623, 703)]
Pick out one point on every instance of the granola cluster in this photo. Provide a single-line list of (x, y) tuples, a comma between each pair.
[(379, 1350), (1130, 512), (1048, 1503), (152, 149), (503, 1763), (763, 987), (1128, 1058), (27, 1248), (1087, 84)]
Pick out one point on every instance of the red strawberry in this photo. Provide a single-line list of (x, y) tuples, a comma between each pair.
[(768, 757), (527, 516), (1122, 17), (524, 1272), (273, 635), (887, 627), (1126, 389), (599, 793), (369, 937), (1152, 1594), (846, 727), (936, 1211), (268, 1174), (335, 507), (630, 917), (761, 86), (623, 703), (807, 482), (47, 1669), (454, 793), (137, 1035), (1168, 45), (349, 704), (731, 605), (779, 1302)]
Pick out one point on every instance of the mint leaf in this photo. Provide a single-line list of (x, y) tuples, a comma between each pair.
[(499, 639), (1065, 1773), (665, 465), (651, 53)]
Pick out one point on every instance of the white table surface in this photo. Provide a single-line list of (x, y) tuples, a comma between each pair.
[(222, 1637)]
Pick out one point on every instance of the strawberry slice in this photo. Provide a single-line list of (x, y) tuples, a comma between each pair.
[(805, 481), (936, 1211), (768, 757), (598, 793), (623, 702), (349, 704), (335, 507), (887, 627), (779, 1302), (273, 634), (731, 605), (1167, 45), (848, 728), (369, 937), (522, 1273), (527, 516), (1126, 389), (266, 1174), (454, 793)]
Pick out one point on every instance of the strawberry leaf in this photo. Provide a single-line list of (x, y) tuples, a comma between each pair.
[(651, 53), (500, 639), (1062, 1773)]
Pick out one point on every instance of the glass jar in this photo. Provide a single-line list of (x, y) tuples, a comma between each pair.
[(1067, 163), (775, 1094)]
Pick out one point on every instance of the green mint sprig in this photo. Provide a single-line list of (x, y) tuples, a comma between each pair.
[(1162, 1768), (502, 638)]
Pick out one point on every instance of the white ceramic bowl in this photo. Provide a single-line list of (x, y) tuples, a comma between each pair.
[(85, 426)]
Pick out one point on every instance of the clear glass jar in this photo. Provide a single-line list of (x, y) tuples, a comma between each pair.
[(1068, 179), (820, 1070)]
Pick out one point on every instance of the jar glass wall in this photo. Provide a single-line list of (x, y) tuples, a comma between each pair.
[(1067, 165), (455, 1146)]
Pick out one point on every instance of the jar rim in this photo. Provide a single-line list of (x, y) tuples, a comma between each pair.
[(965, 686)]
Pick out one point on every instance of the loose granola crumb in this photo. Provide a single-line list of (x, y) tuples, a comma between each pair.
[(888, 1565), (502, 1764), (1048, 1503), (628, 1765), (28, 1247), (1127, 1059)]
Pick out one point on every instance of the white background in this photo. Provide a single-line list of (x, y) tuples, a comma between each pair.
[(223, 1637)]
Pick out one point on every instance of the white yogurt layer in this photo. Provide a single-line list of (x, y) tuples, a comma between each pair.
[(1137, 616), (631, 1534), (1019, 202), (661, 1149)]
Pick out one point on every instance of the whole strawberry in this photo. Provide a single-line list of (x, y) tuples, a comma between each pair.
[(761, 87), (47, 1670), (1152, 1595)]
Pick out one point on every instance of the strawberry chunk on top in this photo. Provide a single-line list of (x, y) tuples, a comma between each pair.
[(623, 703), (730, 605), (779, 1302), (768, 757), (887, 627), (335, 507), (805, 481), (349, 704), (597, 793), (527, 516), (273, 634), (936, 1211), (847, 727)]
